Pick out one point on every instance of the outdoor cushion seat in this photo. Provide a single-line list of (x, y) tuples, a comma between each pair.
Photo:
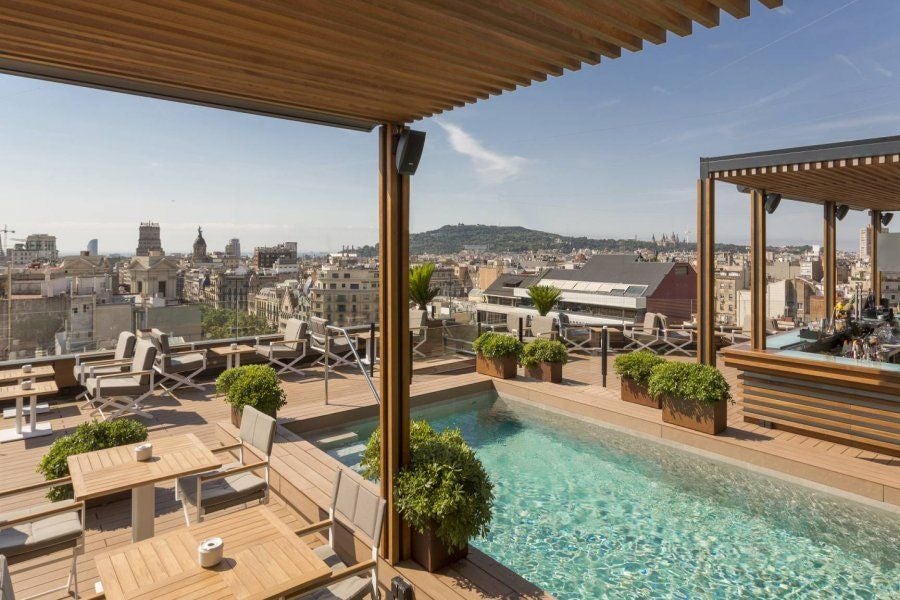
[(41, 533), (83, 372), (185, 362), (224, 492), (351, 588), (276, 350), (125, 385)]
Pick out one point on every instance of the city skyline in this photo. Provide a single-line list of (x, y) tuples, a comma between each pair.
[(82, 164)]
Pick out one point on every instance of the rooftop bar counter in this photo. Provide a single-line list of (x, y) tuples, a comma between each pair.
[(801, 382)]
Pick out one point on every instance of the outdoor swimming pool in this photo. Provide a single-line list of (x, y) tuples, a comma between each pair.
[(589, 512)]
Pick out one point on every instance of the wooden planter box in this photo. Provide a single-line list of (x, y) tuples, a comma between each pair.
[(546, 371), (712, 419), (631, 391), (430, 552), (501, 368)]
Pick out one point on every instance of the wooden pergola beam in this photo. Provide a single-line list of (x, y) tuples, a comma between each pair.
[(395, 355), (758, 281), (829, 257), (706, 271)]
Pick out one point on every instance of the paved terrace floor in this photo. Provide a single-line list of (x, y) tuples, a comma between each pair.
[(305, 474)]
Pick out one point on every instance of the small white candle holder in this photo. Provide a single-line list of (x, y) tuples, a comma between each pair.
[(27, 384), (27, 368), (210, 551), (143, 452), (233, 346)]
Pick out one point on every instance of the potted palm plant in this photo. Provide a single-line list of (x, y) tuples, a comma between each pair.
[(252, 385), (420, 290), (543, 359), (634, 371), (444, 493), (693, 395), (544, 298), (497, 355)]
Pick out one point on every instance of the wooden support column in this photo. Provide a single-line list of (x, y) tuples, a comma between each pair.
[(829, 258), (758, 270), (874, 276), (706, 269), (393, 310)]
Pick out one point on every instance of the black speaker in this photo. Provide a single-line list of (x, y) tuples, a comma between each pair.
[(409, 151), (841, 211), (401, 589), (771, 202)]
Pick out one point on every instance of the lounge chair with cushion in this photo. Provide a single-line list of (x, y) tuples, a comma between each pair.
[(338, 348), (39, 530), (117, 394), (236, 483), (515, 322), (86, 366), (647, 336), (541, 328), (419, 329), (284, 354), (354, 505), (675, 339), (576, 337), (180, 367)]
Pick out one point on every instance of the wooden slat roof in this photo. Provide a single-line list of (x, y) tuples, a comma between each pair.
[(864, 174), (349, 63)]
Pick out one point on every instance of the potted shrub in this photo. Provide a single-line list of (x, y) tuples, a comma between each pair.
[(444, 494), (544, 298), (90, 436), (693, 395), (252, 385), (497, 354), (543, 359), (634, 371)]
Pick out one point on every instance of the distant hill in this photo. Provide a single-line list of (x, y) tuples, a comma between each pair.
[(454, 238)]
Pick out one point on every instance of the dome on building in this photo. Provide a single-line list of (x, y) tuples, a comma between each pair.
[(200, 246)]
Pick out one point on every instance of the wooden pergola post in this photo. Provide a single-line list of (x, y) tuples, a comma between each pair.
[(873, 256), (393, 310), (758, 270), (706, 271), (829, 258)]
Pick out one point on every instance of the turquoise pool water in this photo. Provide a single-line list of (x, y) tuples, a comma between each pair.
[(588, 512)]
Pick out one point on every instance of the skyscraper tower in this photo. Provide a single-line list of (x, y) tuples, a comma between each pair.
[(148, 239), (92, 247), (233, 248)]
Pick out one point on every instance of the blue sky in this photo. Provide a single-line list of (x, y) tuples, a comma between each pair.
[(609, 151)]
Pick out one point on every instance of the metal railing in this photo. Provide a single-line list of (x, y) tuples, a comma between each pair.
[(351, 342)]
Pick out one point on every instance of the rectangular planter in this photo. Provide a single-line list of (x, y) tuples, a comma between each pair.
[(631, 391), (545, 371), (501, 368), (712, 419), (430, 552)]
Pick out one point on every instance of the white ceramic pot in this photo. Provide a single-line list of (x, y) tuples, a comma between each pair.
[(210, 551), (143, 452)]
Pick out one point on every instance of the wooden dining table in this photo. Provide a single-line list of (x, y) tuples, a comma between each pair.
[(104, 472), (263, 558)]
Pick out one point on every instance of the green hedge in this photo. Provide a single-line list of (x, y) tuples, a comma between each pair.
[(497, 345), (539, 351), (252, 385), (689, 381), (86, 438), (445, 484), (637, 365)]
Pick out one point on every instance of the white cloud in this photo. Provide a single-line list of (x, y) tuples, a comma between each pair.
[(491, 166), (881, 70), (854, 122), (661, 90), (784, 10), (845, 60)]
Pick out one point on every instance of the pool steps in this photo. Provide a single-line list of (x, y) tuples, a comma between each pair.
[(339, 439)]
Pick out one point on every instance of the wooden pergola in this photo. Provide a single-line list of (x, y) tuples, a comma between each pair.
[(343, 63), (862, 175)]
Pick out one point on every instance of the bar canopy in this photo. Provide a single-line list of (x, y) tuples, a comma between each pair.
[(343, 62), (864, 174)]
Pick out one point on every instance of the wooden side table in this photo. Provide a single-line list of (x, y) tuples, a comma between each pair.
[(35, 429)]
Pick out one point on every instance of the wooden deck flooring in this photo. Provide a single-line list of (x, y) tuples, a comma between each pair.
[(309, 471)]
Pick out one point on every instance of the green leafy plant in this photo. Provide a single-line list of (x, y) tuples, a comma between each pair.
[(445, 486), (252, 385), (497, 345), (637, 366), (689, 381), (544, 298), (90, 436), (420, 290), (222, 323), (544, 351)]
